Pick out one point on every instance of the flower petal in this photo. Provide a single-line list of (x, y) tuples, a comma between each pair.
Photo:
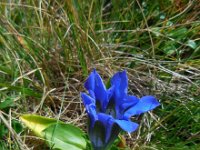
[(96, 88), (97, 135), (87, 100), (124, 104), (120, 80), (145, 104), (110, 91), (130, 101), (90, 108), (127, 125), (90, 84), (107, 121)]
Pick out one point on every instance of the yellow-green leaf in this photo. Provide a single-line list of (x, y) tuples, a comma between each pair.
[(57, 134), (65, 136), (37, 123)]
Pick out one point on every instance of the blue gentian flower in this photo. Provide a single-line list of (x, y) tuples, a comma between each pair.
[(109, 110)]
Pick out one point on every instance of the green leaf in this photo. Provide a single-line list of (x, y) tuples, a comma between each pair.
[(192, 44), (3, 130), (5, 70), (57, 134), (62, 136), (6, 103), (178, 33), (169, 48), (25, 91), (108, 84), (16, 126), (37, 123)]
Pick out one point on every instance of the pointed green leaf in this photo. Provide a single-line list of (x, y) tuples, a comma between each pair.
[(6, 103), (57, 134), (65, 136), (37, 123)]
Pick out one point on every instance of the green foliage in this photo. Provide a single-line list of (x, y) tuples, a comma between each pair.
[(6, 146), (182, 126), (5, 105), (4, 131), (17, 127), (57, 134), (47, 47), (62, 136), (8, 102)]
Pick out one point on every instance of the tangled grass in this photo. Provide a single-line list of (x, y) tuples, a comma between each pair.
[(49, 47)]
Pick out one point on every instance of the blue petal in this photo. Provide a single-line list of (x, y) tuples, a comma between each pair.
[(107, 121), (145, 104), (120, 80), (90, 108), (110, 91), (127, 125), (124, 104), (97, 135), (130, 101), (90, 84), (97, 89), (87, 100)]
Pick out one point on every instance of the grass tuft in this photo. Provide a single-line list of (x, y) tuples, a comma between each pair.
[(49, 47)]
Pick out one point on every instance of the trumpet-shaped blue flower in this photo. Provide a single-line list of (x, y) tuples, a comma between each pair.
[(109, 110)]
